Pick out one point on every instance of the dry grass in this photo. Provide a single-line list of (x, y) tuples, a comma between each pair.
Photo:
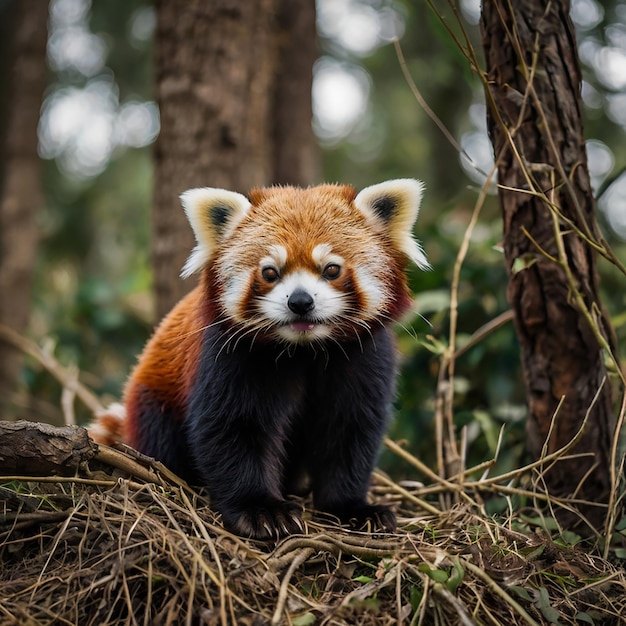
[(105, 547)]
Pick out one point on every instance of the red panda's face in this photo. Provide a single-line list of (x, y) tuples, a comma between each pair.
[(304, 265)]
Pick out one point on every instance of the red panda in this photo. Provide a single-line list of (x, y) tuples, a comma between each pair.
[(280, 366)]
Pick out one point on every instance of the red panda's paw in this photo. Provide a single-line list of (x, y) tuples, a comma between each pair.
[(367, 517), (269, 520)]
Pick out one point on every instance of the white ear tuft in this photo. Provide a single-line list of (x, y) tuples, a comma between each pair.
[(213, 214), (395, 205)]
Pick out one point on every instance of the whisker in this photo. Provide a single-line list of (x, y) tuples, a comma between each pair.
[(339, 346), (238, 332), (425, 319), (261, 327), (285, 349), (201, 329), (358, 322), (232, 333)]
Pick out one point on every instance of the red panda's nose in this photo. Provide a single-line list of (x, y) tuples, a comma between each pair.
[(300, 302)]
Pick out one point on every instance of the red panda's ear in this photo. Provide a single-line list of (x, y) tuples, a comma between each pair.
[(213, 214), (395, 204)]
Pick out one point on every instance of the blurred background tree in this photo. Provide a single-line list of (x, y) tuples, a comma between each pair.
[(23, 73), (93, 290)]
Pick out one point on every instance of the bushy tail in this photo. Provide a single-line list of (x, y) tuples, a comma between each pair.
[(108, 426)]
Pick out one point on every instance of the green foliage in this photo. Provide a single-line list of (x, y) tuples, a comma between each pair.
[(451, 577)]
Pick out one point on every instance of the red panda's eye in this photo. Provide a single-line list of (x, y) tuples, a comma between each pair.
[(331, 271), (270, 274)]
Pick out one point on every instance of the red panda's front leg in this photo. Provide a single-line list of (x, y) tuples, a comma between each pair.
[(346, 425), (240, 466), (236, 426)]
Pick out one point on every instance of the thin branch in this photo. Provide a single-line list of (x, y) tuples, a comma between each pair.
[(45, 358)]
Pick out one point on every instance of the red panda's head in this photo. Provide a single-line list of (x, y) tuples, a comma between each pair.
[(303, 265)]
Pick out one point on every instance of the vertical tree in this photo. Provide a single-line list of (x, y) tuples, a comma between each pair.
[(549, 217), (295, 150), (24, 31), (233, 85)]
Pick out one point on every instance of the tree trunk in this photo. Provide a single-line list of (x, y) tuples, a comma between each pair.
[(25, 78), (219, 69), (296, 152), (536, 130)]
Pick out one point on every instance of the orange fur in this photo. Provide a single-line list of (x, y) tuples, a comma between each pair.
[(169, 359)]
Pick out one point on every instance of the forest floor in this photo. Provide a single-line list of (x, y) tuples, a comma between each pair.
[(122, 541)]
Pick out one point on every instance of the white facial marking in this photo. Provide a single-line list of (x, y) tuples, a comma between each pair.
[(234, 290), (373, 290), (320, 251), (277, 257), (322, 255)]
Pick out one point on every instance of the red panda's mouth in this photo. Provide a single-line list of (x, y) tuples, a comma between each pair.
[(302, 327), (303, 330)]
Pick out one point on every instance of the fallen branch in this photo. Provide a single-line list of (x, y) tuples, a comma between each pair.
[(32, 448)]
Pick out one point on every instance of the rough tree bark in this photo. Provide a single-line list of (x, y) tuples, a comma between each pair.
[(231, 79), (25, 33), (536, 129), (31, 449), (296, 153)]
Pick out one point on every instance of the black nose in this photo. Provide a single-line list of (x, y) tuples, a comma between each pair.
[(300, 302)]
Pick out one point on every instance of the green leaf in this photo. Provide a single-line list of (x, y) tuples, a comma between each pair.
[(496, 504), (456, 575), (521, 592), (620, 553), (543, 604), (417, 594), (432, 301), (523, 263), (370, 604), (537, 552), (570, 538), (306, 619), (489, 427), (547, 523), (363, 579), (583, 617), (438, 575), (433, 345)]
